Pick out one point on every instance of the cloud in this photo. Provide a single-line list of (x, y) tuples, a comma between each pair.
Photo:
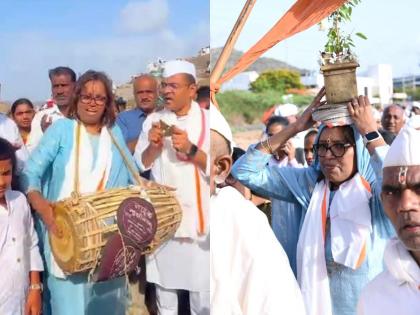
[(144, 16)]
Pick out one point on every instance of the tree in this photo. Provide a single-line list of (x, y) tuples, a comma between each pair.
[(278, 80)]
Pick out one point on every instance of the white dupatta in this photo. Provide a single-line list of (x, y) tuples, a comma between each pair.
[(350, 219)]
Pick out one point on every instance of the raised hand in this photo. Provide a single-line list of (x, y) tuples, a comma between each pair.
[(156, 136), (361, 113), (46, 121), (180, 141), (305, 121)]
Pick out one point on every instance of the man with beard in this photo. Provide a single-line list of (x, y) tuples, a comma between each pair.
[(397, 289), (62, 87)]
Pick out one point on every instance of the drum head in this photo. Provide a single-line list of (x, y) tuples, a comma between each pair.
[(64, 246), (115, 261), (137, 221)]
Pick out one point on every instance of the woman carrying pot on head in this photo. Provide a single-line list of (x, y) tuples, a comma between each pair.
[(343, 229), (86, 141)]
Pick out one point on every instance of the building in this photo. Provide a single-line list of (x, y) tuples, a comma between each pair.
[(241, 81), (407, 82)]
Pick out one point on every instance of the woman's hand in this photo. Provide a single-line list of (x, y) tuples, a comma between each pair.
[(44, 208), (361, 113), (305, 121), (289, 149)]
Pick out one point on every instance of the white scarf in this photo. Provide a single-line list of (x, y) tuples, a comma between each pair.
[(93, 174), (350, 219), (400, 264)]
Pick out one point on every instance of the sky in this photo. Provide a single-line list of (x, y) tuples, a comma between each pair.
[(390, 26), (119, 37)]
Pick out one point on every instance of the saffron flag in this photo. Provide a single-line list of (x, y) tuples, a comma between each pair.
[(302, 15)]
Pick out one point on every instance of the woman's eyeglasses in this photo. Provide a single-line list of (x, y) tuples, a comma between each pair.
[(87, 99), (337, 149)]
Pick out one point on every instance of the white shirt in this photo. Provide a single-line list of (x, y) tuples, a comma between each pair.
[(52, 113), (250, 272), (19, 253), (10, 132), (188, 248), (397, 289)]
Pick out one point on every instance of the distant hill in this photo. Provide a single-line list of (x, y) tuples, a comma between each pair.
[(260, 65)]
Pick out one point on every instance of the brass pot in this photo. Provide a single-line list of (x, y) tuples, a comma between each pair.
[(340, 82)]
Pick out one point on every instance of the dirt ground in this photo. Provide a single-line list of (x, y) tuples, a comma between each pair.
[(243, 139)]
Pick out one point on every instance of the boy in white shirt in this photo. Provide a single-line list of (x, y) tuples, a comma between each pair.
[(20, 286)]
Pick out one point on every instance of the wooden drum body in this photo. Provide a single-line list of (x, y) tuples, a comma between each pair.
[(105, 233)]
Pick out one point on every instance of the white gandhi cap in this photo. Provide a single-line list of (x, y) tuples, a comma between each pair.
[(286, 110), (405, 150), (219, 124), (178, 66)]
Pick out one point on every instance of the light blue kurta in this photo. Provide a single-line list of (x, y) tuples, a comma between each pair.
[(45, 172), (296, 185)]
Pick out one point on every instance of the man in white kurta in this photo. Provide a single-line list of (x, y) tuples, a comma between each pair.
[(250, 272), (182, 262), (397, 289)]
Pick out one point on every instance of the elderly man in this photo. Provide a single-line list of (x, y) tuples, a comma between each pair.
[(250, 272), (174, 144), (145, 89), (63, 81), (397, 289), (393, 119)]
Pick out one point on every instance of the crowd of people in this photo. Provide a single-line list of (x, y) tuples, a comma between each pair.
[(78, 142), (346, 216), (312, 219)]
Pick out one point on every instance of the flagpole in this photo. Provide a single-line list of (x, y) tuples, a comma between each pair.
[(230, 42)]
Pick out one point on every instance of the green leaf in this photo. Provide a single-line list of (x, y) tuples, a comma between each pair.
[(361, 35)]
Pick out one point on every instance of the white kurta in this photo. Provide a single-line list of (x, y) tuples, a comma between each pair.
[(10, 132), (397, 289), (182, 262), (19, 253), (250, 272)]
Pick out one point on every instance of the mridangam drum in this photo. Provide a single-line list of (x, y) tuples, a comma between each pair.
[(121, 223)]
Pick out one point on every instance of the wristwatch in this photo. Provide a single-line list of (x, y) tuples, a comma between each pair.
[(193, 151), (36, 286), (371, 136)]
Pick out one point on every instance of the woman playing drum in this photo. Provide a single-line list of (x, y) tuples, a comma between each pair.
[(82, 142)]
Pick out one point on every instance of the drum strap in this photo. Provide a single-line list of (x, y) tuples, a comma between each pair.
[(132, 169), (76, 175)]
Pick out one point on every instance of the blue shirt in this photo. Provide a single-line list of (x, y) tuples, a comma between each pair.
[(131, 123)]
